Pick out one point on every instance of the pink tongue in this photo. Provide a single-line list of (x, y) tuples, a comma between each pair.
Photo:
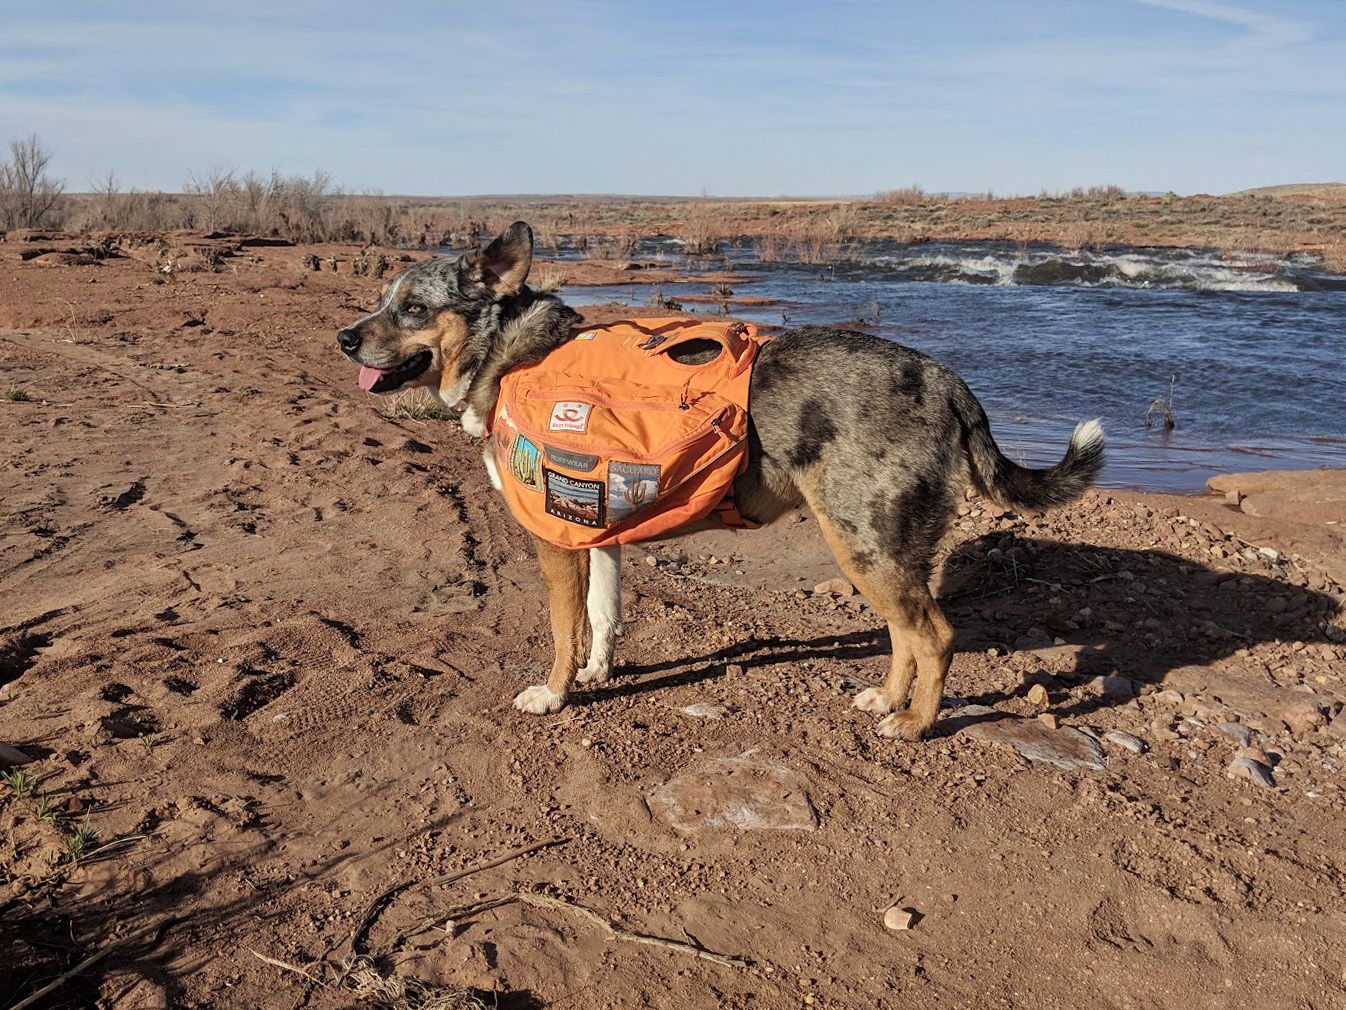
[(369, 376)]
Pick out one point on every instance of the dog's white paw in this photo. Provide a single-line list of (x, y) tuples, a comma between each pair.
[(594, 674), (872, 699), (539, 700), (902, 726), (472, 424)]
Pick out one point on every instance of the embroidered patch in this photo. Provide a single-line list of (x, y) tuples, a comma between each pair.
[(523, 463), (570, 460), (575, 501), (631, 486), (570, 415)]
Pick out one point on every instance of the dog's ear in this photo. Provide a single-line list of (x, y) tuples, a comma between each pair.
[(502, 266)]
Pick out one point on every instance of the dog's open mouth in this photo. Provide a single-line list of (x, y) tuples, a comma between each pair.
[(385, 380)]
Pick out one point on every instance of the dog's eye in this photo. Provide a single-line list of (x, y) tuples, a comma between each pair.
[(415, 309)]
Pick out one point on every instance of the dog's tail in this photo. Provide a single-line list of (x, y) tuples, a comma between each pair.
[(1001, 479)]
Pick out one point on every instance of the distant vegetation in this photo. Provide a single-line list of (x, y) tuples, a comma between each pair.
[(312, 209)]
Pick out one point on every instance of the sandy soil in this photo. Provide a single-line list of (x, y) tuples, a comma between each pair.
[(260, 632)]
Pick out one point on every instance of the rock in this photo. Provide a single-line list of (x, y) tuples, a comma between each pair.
[(835, 587), (1168, 696), (1126, 741), (734, 670), (747, 793), (1337, 727), (705, 710), (1253, 771), (651, 560), (11, 757), (899, 919), (1303, 717), (1237, 730), (1035, 741), (1049, 720), (1111, 686), (1037, 695), (1161, 728), (1255, 754)]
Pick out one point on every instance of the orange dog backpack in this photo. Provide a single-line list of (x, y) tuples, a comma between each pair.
[(608, 440)]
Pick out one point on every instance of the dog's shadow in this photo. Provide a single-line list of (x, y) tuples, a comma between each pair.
[(1142, 614)]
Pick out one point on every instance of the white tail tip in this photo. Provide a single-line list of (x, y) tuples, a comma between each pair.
[(1087, 436)]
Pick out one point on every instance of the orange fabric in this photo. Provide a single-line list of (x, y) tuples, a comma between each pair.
[(608, 440)]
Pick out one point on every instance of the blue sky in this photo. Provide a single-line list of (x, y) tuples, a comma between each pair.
[(728, 98)]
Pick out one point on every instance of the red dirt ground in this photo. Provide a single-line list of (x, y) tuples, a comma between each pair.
[(262, 636)]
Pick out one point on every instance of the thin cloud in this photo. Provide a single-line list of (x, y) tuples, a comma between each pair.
[(1261, 29)]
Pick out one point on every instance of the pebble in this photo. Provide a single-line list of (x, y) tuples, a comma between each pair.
[(1049, 720), (1303, 717), (1253, 771), (1238, 731), (651, 560), (1126, 741), (705, 710), (1168, 696), (1337, 727), (1037, 695), (899, 919), (1112, 686), (835, 587)]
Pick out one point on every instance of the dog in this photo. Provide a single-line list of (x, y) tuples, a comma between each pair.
[(877, 439)]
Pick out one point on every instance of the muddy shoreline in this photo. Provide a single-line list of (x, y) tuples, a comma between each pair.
[(260, 631)]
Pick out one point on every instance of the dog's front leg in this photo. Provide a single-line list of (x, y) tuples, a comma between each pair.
[(567, 576), (604, 606)]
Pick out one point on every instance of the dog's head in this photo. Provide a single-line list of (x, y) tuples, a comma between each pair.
[(425, 332)]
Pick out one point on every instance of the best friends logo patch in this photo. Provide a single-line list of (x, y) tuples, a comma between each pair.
[(570, 415)]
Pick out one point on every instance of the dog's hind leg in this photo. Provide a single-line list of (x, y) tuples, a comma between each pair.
[(922, 639), (567, 576), (604, 607)]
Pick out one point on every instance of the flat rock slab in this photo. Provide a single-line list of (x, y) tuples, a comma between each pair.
[(745, 793), (1033, 740)]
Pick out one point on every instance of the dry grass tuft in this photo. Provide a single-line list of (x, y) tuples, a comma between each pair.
[(415, 405), (548, 279), (392, 993)]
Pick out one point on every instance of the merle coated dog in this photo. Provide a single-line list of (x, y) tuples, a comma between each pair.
[(879, 441)]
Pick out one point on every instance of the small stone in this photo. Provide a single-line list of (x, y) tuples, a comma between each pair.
[(1162, 729), (1034, 740), (835, 587), (1238, 731), (734, 670), (1255, 754), (1037, 695), (1126, 741), (1049, 720), (1303, 717), (705, 710), (899, 919), (1112, 686), (586, 743), (651, 560), (1168, 696), (1337, 727), (1253, 771)]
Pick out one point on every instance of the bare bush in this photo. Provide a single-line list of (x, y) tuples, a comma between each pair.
[(28, 194), (906, 197)]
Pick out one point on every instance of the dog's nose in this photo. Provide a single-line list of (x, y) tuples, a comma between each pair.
[(349, 341)]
